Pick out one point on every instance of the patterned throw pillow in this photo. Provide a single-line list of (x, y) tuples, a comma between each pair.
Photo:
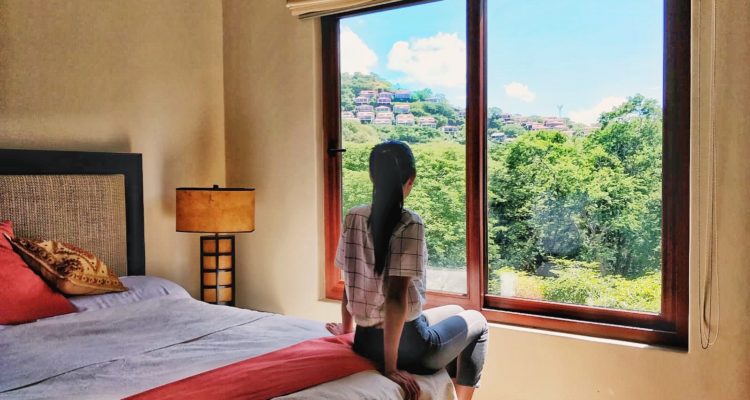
[(71, 270)]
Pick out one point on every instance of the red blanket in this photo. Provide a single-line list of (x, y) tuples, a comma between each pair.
[(274, 374)]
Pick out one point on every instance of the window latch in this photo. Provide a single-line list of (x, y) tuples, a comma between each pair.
[(332, 151)]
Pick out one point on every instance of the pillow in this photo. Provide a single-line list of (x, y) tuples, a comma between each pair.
[(24, 297), (71, 270), (139, 288)]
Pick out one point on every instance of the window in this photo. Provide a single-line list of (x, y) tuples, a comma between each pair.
[(552, 145)]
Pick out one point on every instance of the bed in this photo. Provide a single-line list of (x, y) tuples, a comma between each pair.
[(122, 344)]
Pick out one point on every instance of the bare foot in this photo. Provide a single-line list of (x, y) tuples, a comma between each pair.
[(464, 392)]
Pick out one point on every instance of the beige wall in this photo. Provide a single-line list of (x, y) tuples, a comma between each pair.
[(125, 76), (272, 69)]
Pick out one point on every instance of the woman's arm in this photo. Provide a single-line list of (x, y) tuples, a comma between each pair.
[(347, 323), (395, 316), (346, 318)]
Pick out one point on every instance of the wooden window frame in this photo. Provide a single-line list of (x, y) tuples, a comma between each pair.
[(667, 328)]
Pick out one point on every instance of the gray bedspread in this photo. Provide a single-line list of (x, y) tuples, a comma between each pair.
[(116, 352)]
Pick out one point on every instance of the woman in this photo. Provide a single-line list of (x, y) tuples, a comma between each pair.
[(382, 253)]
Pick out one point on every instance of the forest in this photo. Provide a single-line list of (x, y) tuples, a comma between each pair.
[(572, 218)]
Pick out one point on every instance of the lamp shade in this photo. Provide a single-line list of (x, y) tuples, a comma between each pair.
[(215, 210)]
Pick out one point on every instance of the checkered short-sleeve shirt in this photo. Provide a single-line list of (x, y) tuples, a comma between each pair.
[(355, 256)]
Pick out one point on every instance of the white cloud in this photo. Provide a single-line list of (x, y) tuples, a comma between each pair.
[(591, 115), (520, 91), (435, 61), (356, 56)]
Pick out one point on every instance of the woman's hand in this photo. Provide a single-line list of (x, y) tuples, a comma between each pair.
[(336, 328), (407, 382)]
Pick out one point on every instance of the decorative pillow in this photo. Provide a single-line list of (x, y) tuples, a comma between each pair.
[(71, 270), (24, 297)]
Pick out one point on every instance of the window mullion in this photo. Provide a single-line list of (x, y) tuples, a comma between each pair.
[(476, 111)]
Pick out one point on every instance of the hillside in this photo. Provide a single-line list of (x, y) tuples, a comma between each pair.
[(374, 109)]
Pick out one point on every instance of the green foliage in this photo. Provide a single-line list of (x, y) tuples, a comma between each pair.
[(512, 130), (421, 95), (571, 219), (581, 285), (354, 132), (409, 134), (636, 107)]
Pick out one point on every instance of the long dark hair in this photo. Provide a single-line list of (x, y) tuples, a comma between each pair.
[(391, 166)]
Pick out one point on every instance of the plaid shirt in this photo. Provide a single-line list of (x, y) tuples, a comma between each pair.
[(355, 256)]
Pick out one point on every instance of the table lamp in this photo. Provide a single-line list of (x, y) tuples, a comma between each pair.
[(216, 210)]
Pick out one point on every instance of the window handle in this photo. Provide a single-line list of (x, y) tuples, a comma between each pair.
[(332, 151)]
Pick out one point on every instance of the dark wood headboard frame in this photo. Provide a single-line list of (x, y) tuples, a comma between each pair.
[(48, 162)]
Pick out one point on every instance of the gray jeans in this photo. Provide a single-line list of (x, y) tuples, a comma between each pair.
[(442, 337)]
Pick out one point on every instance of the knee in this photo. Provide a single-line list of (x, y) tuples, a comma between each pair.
[(454, 309), (476, 323)]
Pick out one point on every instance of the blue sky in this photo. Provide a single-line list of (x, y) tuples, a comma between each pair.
[(586, 55)]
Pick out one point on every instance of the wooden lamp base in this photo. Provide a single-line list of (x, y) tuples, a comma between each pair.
[(217, 269)]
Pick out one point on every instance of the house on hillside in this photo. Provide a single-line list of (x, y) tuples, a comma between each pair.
[(349, 116), (384, 100), (368, 93), (497, 137), (361, 100), (555, 123), (401, 108), (386, 93), (428, 122), (405, 119), (365, 108), (380, 109), (382, 121), (402, 95), (365, 117), (386, 114), (449, 129), (534, 126)]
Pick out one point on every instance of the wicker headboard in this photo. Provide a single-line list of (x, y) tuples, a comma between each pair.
[(93, 200)]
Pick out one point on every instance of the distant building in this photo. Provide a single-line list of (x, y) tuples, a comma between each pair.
[(461, 112), (386, 94), (555, 123), (361, 100), (402, 95), (365, 108), (405, 119), (349, 116), (449, 129), (386, 114), (432, 99), (384, 100), (534, 126), (365, 116), (401, 108), (368, 93), (382, 109), (428, 122), (497, 137), (382, 121)]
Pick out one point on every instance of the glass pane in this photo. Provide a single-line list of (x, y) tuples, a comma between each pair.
[(574, 151), (403, 77)]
